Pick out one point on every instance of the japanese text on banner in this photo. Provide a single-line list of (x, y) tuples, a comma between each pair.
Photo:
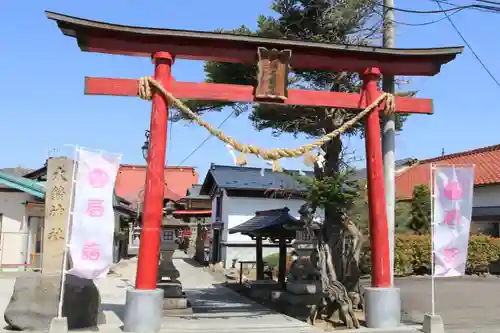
[(453, 192), (92, 231)]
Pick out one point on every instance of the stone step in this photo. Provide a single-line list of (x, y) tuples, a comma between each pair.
[(294, 299), (304, 287), (175, 303), (170, 288)]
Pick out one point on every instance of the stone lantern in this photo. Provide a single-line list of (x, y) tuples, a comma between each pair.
[(168, 275)]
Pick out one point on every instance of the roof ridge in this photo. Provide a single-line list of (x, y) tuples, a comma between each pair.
[(253, 168), (460, 154), (410, 167)]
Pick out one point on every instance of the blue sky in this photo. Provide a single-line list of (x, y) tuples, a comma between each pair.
[(43, 107)]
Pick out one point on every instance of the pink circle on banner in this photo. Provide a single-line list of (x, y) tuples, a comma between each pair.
[(98, 178), (453, 190)]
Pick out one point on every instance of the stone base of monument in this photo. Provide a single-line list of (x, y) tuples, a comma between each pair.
[(299, 297), (261, 289), (174, 297), (35, 299)]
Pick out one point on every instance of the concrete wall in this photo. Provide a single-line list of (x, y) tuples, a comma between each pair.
[(14, 230), (487, 196)]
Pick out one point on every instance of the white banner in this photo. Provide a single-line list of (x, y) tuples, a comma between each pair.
[(93, 220), (452, 203)]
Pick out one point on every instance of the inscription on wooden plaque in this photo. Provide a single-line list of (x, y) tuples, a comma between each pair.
[(272, 76)]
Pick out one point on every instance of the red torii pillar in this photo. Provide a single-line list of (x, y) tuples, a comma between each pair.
[(143, 308), (149, 249), (379, 240)]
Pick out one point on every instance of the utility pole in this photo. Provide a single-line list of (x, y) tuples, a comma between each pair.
[(388, 137)]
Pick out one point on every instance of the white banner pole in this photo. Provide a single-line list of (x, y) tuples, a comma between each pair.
[(433, 281), (93, 221), (66, 235)]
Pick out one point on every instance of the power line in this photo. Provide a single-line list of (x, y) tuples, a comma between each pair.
[(424, 23), (427, 11), (490, 2), (442, 10), (205, 140), (469, 46)]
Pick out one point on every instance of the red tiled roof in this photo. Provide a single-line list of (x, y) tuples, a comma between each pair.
[(486, 161), (131, 178)]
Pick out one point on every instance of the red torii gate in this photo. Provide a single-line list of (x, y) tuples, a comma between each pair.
[(163, 45)]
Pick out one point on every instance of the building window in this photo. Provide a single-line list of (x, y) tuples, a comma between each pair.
[(168, 235), (218, 206)]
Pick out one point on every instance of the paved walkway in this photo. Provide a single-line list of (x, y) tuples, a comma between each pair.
[(215, 308), (468, 304)]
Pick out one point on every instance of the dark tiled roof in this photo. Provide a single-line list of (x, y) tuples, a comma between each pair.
[(17, 171), (259, 179), (245, 178), (194, 193), (264, 220)]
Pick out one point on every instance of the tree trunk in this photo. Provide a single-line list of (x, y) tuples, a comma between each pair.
[(338, 244)]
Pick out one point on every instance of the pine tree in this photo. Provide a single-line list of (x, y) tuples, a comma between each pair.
[(327, 21)]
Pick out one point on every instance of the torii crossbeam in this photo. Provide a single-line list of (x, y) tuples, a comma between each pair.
[(273, 57)]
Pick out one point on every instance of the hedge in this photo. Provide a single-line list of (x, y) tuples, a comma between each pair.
[(273, 259), (413, 254)]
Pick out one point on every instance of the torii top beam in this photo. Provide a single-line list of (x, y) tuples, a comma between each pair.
[(93, 36)]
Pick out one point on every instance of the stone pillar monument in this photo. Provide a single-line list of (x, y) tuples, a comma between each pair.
[(57, 209), (35, 300)]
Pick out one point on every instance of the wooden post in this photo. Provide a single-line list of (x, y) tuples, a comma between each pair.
[(282, 263), (57, 197), (259, 258)]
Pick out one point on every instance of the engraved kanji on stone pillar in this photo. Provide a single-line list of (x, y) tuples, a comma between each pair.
[(58, 192)]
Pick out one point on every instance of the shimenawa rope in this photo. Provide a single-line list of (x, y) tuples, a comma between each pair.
[(146, 92)]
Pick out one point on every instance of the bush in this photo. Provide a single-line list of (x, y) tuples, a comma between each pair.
[(413, 254), (272, 260)]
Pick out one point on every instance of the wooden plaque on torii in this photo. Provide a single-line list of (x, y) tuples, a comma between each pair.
[(272, 76)]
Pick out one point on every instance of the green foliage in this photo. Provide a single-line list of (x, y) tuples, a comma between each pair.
[(272, 260), (328, 21), (337, 192), (402, 216), (413, 254), (420, 221), (360, 212)]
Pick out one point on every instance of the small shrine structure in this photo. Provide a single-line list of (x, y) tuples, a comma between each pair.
[(269, 225)]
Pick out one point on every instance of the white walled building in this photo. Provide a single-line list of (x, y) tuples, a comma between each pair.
[(22, 211), (237, 193), (21, 221)]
